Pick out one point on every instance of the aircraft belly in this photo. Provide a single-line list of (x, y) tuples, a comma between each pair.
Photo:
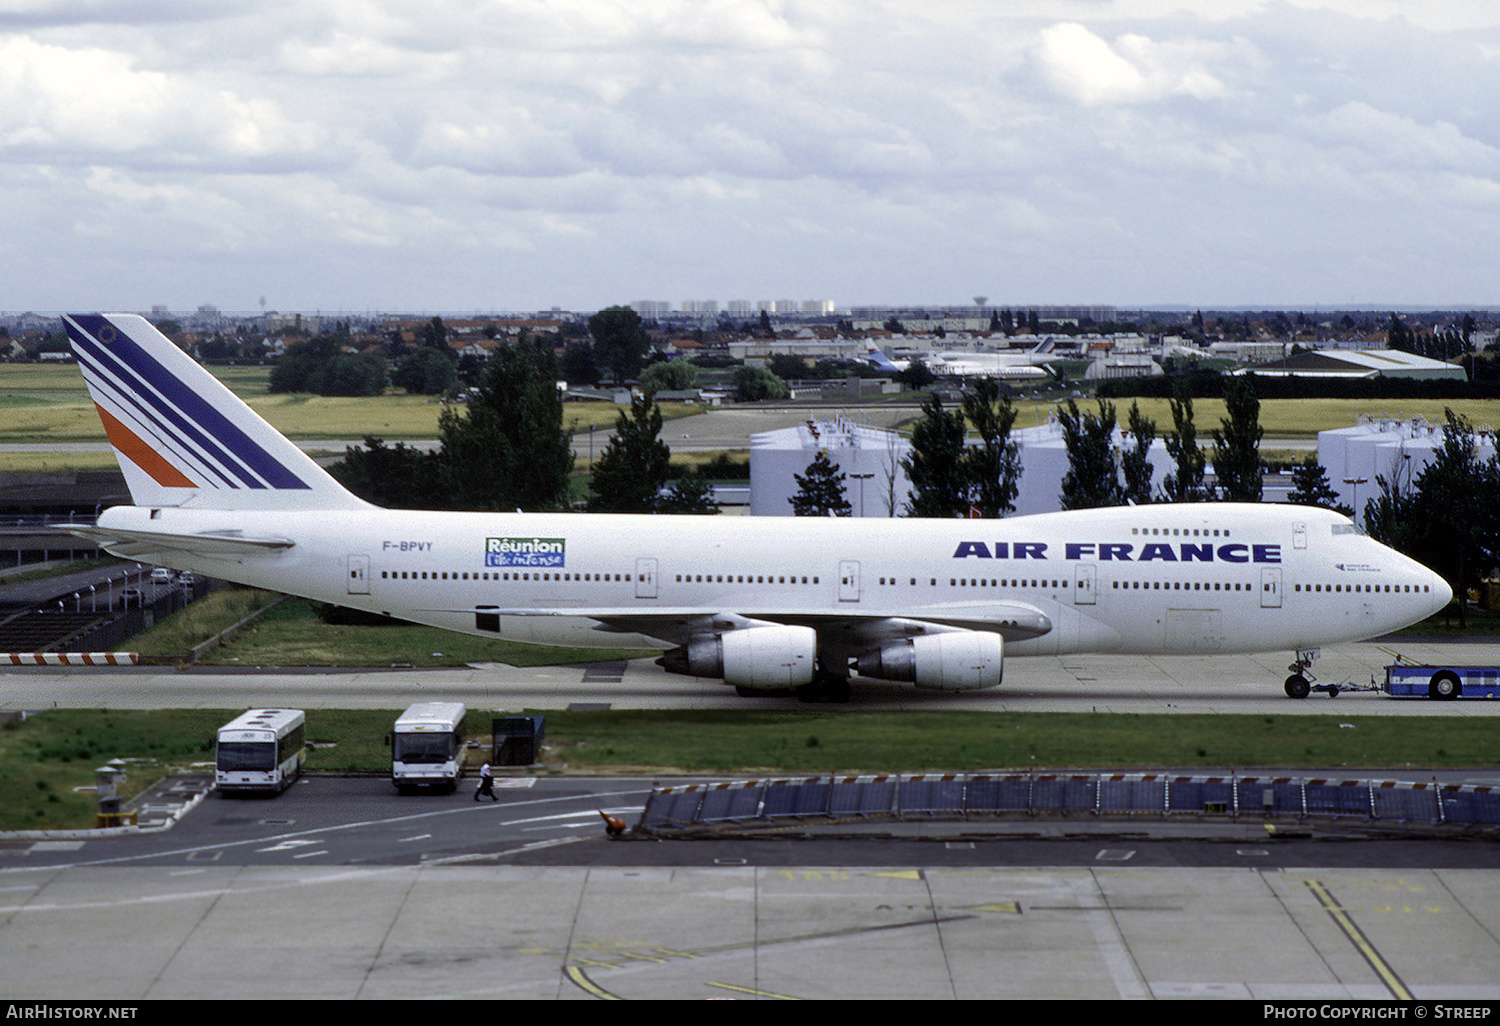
[(1193, 631), (569, 631)]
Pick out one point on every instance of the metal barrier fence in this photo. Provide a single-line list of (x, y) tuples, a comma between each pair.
[(833, 799)]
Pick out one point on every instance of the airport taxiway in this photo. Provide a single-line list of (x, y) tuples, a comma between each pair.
[(1071, 683)]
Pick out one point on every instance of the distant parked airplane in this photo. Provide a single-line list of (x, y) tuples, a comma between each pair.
[(1025, 366)]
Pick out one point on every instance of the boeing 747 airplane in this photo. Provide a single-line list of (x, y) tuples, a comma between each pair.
[(764, 604)]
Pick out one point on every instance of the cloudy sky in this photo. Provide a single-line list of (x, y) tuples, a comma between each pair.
[(353, 155)]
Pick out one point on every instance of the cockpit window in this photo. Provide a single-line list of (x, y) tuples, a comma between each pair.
[(1348, 527)]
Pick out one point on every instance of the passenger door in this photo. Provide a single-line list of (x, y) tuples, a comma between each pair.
[(359, 575), (848, 580), (1270, 588), (1083, 585), (645, 578)]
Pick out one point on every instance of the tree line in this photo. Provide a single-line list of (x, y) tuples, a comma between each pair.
[(1447, 517), (505, 449)]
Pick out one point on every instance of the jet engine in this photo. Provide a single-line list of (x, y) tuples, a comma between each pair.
[(762, 658), (948, 661)]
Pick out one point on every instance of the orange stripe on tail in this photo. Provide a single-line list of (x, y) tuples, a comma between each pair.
[(130, 445)]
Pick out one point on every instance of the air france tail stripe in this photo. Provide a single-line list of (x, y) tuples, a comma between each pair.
[(134, 448), (202, 426), (127, 407), (140, 389)]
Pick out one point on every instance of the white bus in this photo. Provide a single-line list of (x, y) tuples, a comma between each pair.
[(428, 745), (261, 750)]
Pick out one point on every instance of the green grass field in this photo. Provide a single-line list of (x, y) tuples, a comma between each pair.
[(292, 634), (51, 404)]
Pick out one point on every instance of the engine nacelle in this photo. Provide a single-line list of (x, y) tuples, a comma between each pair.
[(950, 661), (764, 658)]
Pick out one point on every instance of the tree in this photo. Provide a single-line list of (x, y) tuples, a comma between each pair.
[(821, 491), (620, 341), (396, 477), (1456, 502), (1093, 477), (935, 466), (1135, 462), (669, 375), (752, 384), (321, 366), (916, 375), (1182, 445), (1310, 487), (994, 466), (426, 371), (1237, 445), (1399, 336), (633, 468), (692, 494), (578, 366), (507, 450), (435, 335)]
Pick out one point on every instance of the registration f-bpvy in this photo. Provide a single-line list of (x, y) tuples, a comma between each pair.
[(765, 604)]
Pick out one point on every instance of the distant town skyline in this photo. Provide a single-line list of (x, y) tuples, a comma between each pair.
[(1142, 154)]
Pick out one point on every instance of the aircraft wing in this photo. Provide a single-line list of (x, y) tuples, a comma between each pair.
[(144, 545), (1012, 621)]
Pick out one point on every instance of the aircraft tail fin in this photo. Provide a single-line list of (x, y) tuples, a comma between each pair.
[(878, 359), (181, 437)]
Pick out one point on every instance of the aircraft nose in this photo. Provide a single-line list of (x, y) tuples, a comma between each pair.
[(1442, 594)]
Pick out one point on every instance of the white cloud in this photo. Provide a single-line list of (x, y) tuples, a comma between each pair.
[(582, 152), (1081, 65)]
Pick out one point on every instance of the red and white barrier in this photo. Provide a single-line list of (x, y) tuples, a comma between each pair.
[(69, 658)]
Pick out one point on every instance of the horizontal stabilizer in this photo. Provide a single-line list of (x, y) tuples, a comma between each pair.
[(142, 544)]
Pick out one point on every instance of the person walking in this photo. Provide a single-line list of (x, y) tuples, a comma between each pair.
[(486, 784)]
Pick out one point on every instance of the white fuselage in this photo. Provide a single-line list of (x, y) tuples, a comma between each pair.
[(1206, 578)]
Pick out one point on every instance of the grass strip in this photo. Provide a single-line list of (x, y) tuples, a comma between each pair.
[(47, 762)]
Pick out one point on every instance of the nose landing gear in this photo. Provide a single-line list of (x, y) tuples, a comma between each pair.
[(1300, 682)]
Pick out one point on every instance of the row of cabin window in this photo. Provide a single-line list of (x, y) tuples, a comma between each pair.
[(981, 582), (425, 575), (1183, 586), (1183, 532), (738, 579), (1384, 589)]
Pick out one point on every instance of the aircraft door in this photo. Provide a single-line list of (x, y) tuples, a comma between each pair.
[(359, 575), (645, 578), (1083, 585), (1270, 588), (1299, 536), (848, 580)]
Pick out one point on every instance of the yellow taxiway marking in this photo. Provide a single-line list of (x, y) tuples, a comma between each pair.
[(754, 992), (1377, 962), (582, 981)]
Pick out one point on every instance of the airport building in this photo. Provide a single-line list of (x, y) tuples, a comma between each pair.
[(877, 486), (1394, 448), (870, 457), (1357, 364)]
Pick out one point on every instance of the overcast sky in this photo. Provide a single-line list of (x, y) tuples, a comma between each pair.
[(353, 155)]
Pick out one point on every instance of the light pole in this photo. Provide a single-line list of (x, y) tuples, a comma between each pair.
[(1354, 498), (862, 478)]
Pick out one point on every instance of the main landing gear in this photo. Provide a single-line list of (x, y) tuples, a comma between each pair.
[(826, 686)]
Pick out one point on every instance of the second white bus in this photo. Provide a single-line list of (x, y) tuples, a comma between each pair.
[(428, 745), (260, 750)]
